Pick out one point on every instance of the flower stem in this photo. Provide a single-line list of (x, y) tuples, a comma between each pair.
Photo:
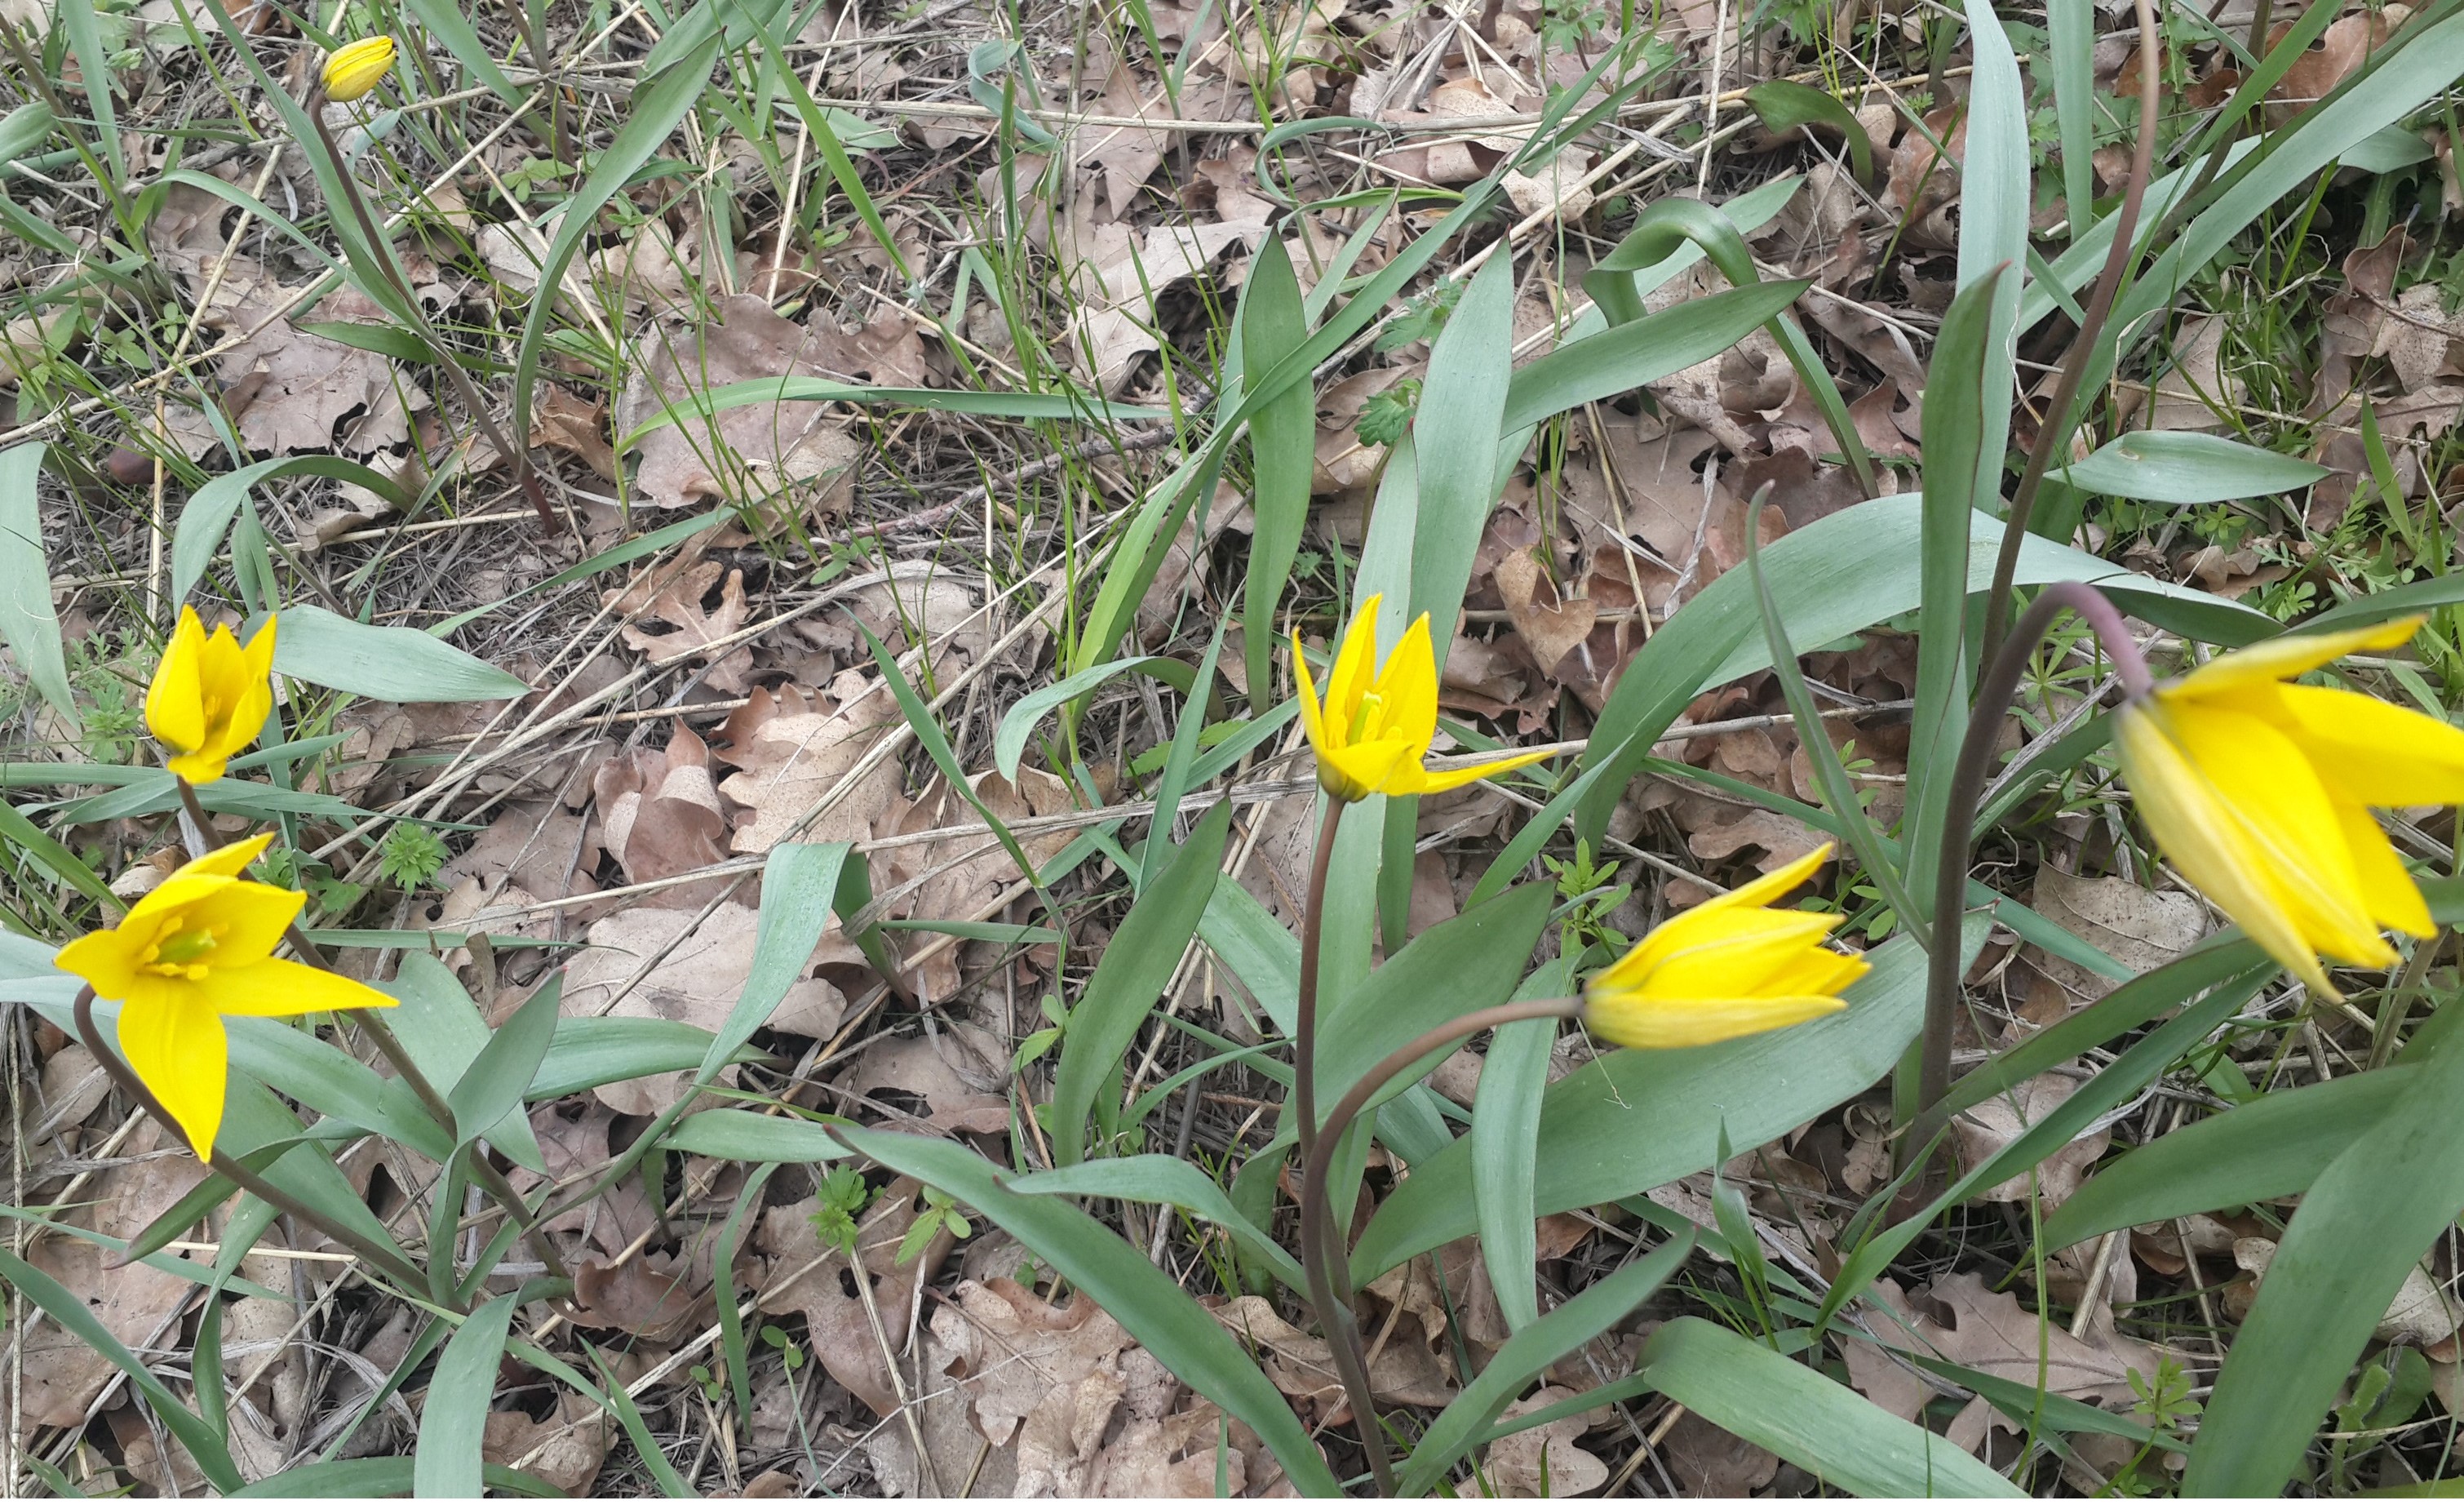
[(492, 1181), (1322, 1250), (518, 456), (1993, 695), (2056, 432), (1305, 1010), (401, 1272)]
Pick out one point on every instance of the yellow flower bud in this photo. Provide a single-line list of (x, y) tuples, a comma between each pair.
[(352, 71)]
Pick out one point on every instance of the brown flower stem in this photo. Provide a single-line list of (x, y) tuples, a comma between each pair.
[(1322, 1250), (492, 1181), (1995, 692), (395, 1269), (1305, 1008), (517, 456), (2055, 432)]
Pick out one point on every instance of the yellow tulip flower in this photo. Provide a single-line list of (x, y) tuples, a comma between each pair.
[(2259, 792), (211, 696), (1373, 734), (1728, 966), (352, 71), (198, 947)]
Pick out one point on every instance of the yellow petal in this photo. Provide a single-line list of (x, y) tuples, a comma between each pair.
[(1310, 721), (1370, 767), (199, 768), (1407, 691), (1773, 885), (277, 988), (1356, 668), (248, 920), (2373, 753), (2271, 792), (2190, 826), (169, 902), (227, 862), (1816, 969), (1438, 781), (1729, 953), (1657, 1023), (175, 701), (2284, 657), (2387, 890), (352, 71), (107, 959), (177, 1048)]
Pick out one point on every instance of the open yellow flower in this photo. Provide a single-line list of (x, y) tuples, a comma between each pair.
[(2260, 790), (198, 947), (352, 71), (1725, 967), (1373, 731), (211, 696)]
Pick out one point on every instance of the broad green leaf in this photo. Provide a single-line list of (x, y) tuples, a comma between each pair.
[(1785, 104), (1143, 1299), (28, 623), (2070, 43), (1533, 1348), (2364, 1224), (1635, 1119), (383, 663), (1955, 438), (1454, 437), (592, 1052), (1283, 445), (79, 1322), (1018, 724), (332, 1081), (453, 1420), (1995, 189), (1449, 969), (2275, 1146), (1506, 1149), (444, 1032), (501, 1073), (206, 517), (1130, 976), (2386, 606), (1837, 576), (1651, 346), (738, 1134), (2187, 469), (1844, 1440), (1173, 1183), (799, 890), (23, 129)]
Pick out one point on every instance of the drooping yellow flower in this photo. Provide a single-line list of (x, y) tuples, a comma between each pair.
[(1727, 967), (2260, 790), (210, 697), (1373, 733), (352, 71), (198, 947)]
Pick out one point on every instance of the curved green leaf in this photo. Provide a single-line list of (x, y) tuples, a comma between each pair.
[(1844, 1440), (739, 1134), (1018, 724), (383, 663), (1785, 104), (1173, 1181)]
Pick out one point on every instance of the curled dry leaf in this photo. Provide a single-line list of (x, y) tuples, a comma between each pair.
[(1989, 1331), (1708, 1462), (1544, 1462), (2138, 927), (698, 630), (1118, 316), (661, 818), (648, 1296), (575, 1438), (792, 762), (2420, 1315)]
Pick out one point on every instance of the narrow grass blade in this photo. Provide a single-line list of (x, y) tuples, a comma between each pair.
[(1173, 1182)]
